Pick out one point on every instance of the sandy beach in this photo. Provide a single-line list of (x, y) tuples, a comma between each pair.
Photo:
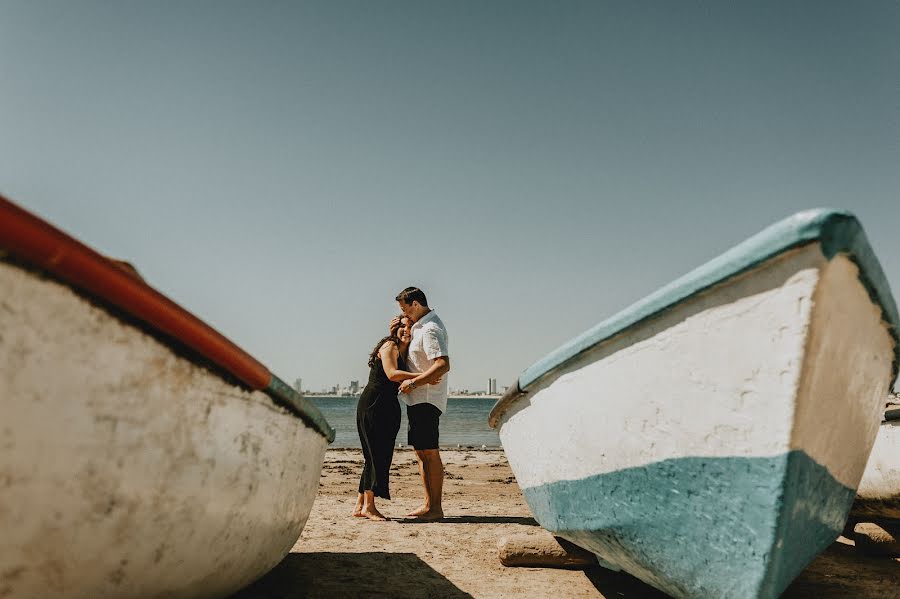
[(341, 556)]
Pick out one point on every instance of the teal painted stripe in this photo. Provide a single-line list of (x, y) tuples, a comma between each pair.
[(702, 527), (838, 233), (285, 396)]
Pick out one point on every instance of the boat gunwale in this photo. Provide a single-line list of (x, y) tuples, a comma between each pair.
[(39, 244), (837, 232)]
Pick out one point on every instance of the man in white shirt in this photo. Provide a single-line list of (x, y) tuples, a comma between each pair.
[(426, 401)]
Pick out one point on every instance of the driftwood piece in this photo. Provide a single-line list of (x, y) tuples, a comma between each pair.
[(542, 550), (874, 539)]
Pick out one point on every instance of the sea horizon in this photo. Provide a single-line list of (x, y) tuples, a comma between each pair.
[(463, 425), (320, 395)]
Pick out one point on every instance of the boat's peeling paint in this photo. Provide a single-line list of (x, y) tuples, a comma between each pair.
[(41, 245), (750, 370), (127, 470), (676, 523)]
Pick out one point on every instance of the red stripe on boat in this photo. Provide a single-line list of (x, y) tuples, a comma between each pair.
[(37, 242)]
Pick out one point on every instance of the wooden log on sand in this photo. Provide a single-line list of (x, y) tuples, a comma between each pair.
[(875, 539), (542, 550)]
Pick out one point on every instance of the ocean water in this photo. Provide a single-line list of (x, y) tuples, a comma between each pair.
[(464, 423)]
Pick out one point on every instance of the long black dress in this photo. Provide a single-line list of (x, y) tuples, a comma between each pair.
[(378, 422)]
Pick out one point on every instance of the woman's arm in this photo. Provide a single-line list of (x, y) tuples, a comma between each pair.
[(389, 354)]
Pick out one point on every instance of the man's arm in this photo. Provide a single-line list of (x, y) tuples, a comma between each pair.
[(440, 367), (389, 353)]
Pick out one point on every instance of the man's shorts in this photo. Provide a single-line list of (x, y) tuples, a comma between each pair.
[(423, 425)]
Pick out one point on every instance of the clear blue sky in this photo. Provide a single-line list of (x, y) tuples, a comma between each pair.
[(282, 169)]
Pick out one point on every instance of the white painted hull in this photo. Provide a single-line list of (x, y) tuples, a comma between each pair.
[(878, 496), (127, 470), (715, 432)]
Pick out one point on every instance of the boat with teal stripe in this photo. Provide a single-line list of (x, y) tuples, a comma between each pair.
[(710, 438)]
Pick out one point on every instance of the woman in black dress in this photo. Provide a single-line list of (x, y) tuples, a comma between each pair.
[(378, 418)]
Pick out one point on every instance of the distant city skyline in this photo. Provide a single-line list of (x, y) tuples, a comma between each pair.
[(282, 170), (353, 387)]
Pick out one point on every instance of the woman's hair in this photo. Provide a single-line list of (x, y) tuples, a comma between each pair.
[(373, 357)]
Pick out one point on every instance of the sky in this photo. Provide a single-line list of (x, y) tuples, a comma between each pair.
[(283, 169)]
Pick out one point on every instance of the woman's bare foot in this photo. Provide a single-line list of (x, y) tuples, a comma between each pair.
[(358, 510), (372, 513)]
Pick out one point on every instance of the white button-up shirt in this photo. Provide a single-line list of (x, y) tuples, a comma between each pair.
[(428, 342)]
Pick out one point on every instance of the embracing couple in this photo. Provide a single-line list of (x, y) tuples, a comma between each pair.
[(412, 361)]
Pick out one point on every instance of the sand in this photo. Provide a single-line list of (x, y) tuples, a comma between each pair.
[(341, 556)]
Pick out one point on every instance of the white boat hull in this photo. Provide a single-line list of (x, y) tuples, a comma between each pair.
[(704, 450), (878, 496), (126, 469)]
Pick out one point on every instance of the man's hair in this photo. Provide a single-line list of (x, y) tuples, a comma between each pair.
[(412, 294)]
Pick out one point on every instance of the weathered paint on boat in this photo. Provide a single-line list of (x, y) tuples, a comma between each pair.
[(878, 496), (132, 463), (698, 440), (114, 283)]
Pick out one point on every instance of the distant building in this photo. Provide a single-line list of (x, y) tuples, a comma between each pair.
[(354, 387), (492, 387), (298, 385)]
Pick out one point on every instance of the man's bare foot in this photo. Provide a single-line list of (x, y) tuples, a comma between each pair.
[(418, 512), (430, 515), (373, 514)]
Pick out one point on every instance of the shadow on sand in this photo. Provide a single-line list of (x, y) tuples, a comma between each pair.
[(372, 574), (843, 571), (839, 572), (620, 584), (473, 520)]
